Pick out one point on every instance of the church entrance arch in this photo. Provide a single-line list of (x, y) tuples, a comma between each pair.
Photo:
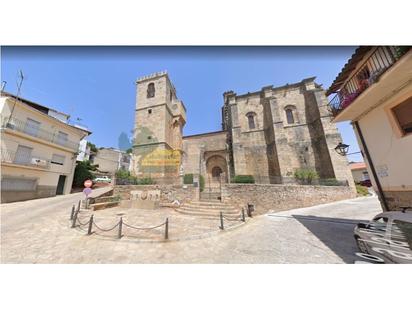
[(216, 172)]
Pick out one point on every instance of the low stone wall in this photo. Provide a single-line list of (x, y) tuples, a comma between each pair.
[(270, 197), (397, 199), (168, 192)]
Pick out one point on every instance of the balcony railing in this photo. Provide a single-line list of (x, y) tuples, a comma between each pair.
[(381, 59), (20, 158), (25, 127)]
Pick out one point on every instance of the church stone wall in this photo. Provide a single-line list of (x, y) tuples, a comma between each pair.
[(192, 148), (273, 198)]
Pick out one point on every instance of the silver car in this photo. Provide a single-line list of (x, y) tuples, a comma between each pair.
[(387, 238)]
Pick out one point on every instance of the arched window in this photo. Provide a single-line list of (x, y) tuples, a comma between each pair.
[(289, 115), (151, 90), (251, 120)]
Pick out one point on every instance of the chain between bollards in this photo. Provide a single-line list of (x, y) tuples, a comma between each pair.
[(89, 231), (72, 213), (75, 219), (243, 215), (120, 228), (167, 229), (221, 221)]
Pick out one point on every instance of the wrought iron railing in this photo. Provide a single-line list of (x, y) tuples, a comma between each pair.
[(381, 59), (25, 159), (26, 127)]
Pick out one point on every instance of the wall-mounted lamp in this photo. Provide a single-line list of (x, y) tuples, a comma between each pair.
[(342, 149)]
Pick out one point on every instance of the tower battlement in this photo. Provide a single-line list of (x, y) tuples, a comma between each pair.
[(150, 76)]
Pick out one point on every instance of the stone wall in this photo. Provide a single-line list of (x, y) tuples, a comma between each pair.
[(168, 192), (272, 197), (398, 199)]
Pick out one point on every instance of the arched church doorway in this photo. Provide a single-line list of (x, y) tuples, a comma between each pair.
[(216, 174)]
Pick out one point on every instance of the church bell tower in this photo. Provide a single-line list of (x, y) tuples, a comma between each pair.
[(159, 120)]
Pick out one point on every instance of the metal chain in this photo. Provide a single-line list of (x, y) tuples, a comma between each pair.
[(236, 219), (143, 228), (105, 230), (78, 219)]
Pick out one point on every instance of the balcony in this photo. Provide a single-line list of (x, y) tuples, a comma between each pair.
[(25, 127), (25, 159), (369, 73)]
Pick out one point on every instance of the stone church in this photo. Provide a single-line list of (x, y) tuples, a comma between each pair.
[(268, 133)]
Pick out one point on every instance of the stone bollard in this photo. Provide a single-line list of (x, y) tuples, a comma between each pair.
[(120, 228), (89, 231), (221, 221), (78, 207), (167, 229), (243, 215)]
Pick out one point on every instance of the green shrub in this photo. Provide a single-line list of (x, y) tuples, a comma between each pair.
[(305, 175), (243, 179), (145, 181), (329, 182), (123, 174), (362, 190), (188, 179), (202, 183)]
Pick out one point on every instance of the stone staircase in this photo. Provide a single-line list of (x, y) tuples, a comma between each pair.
[(209, 209)]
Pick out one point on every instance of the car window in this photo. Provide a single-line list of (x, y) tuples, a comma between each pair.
[(402, 230), (381, 220), (379, 223)]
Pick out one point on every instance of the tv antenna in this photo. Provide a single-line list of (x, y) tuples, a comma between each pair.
[(19, 84)]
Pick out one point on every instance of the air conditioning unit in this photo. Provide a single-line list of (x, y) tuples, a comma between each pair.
[(39, 162)]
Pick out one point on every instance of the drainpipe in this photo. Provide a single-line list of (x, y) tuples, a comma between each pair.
[(372, 167)]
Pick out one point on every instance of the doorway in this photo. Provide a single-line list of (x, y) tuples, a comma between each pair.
[(60, 185)]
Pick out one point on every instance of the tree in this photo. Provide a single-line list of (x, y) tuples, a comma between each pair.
[(82, 172), (92, 146)]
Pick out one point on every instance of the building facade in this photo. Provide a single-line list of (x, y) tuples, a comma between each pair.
[(359, 172), (268, 134), (374, 92), (110, 160), (38, 150)]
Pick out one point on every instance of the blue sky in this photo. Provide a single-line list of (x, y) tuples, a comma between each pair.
[(97, 84)]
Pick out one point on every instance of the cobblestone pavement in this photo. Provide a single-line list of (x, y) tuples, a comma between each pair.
[(181, 227), (34, 232)]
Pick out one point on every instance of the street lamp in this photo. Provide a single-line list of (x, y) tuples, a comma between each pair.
[(342, 149)]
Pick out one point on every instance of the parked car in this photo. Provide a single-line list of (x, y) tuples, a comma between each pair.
[(387, 238), (103, 179), (366, 183)]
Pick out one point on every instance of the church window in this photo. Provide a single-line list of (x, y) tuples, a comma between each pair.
[(151, 90), (251, 120), (149, 110), (289, 116)]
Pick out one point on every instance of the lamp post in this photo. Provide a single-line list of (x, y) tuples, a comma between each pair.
[(342, 149)]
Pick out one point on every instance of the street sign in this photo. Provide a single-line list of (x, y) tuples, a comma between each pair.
[(87, 191), (88, 183)]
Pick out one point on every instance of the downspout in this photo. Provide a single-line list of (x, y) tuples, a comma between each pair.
[(372, 167)]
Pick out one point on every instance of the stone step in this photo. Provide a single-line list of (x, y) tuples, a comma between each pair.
[(210, 207), (211, 214), (214, 211), (208, 202)]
